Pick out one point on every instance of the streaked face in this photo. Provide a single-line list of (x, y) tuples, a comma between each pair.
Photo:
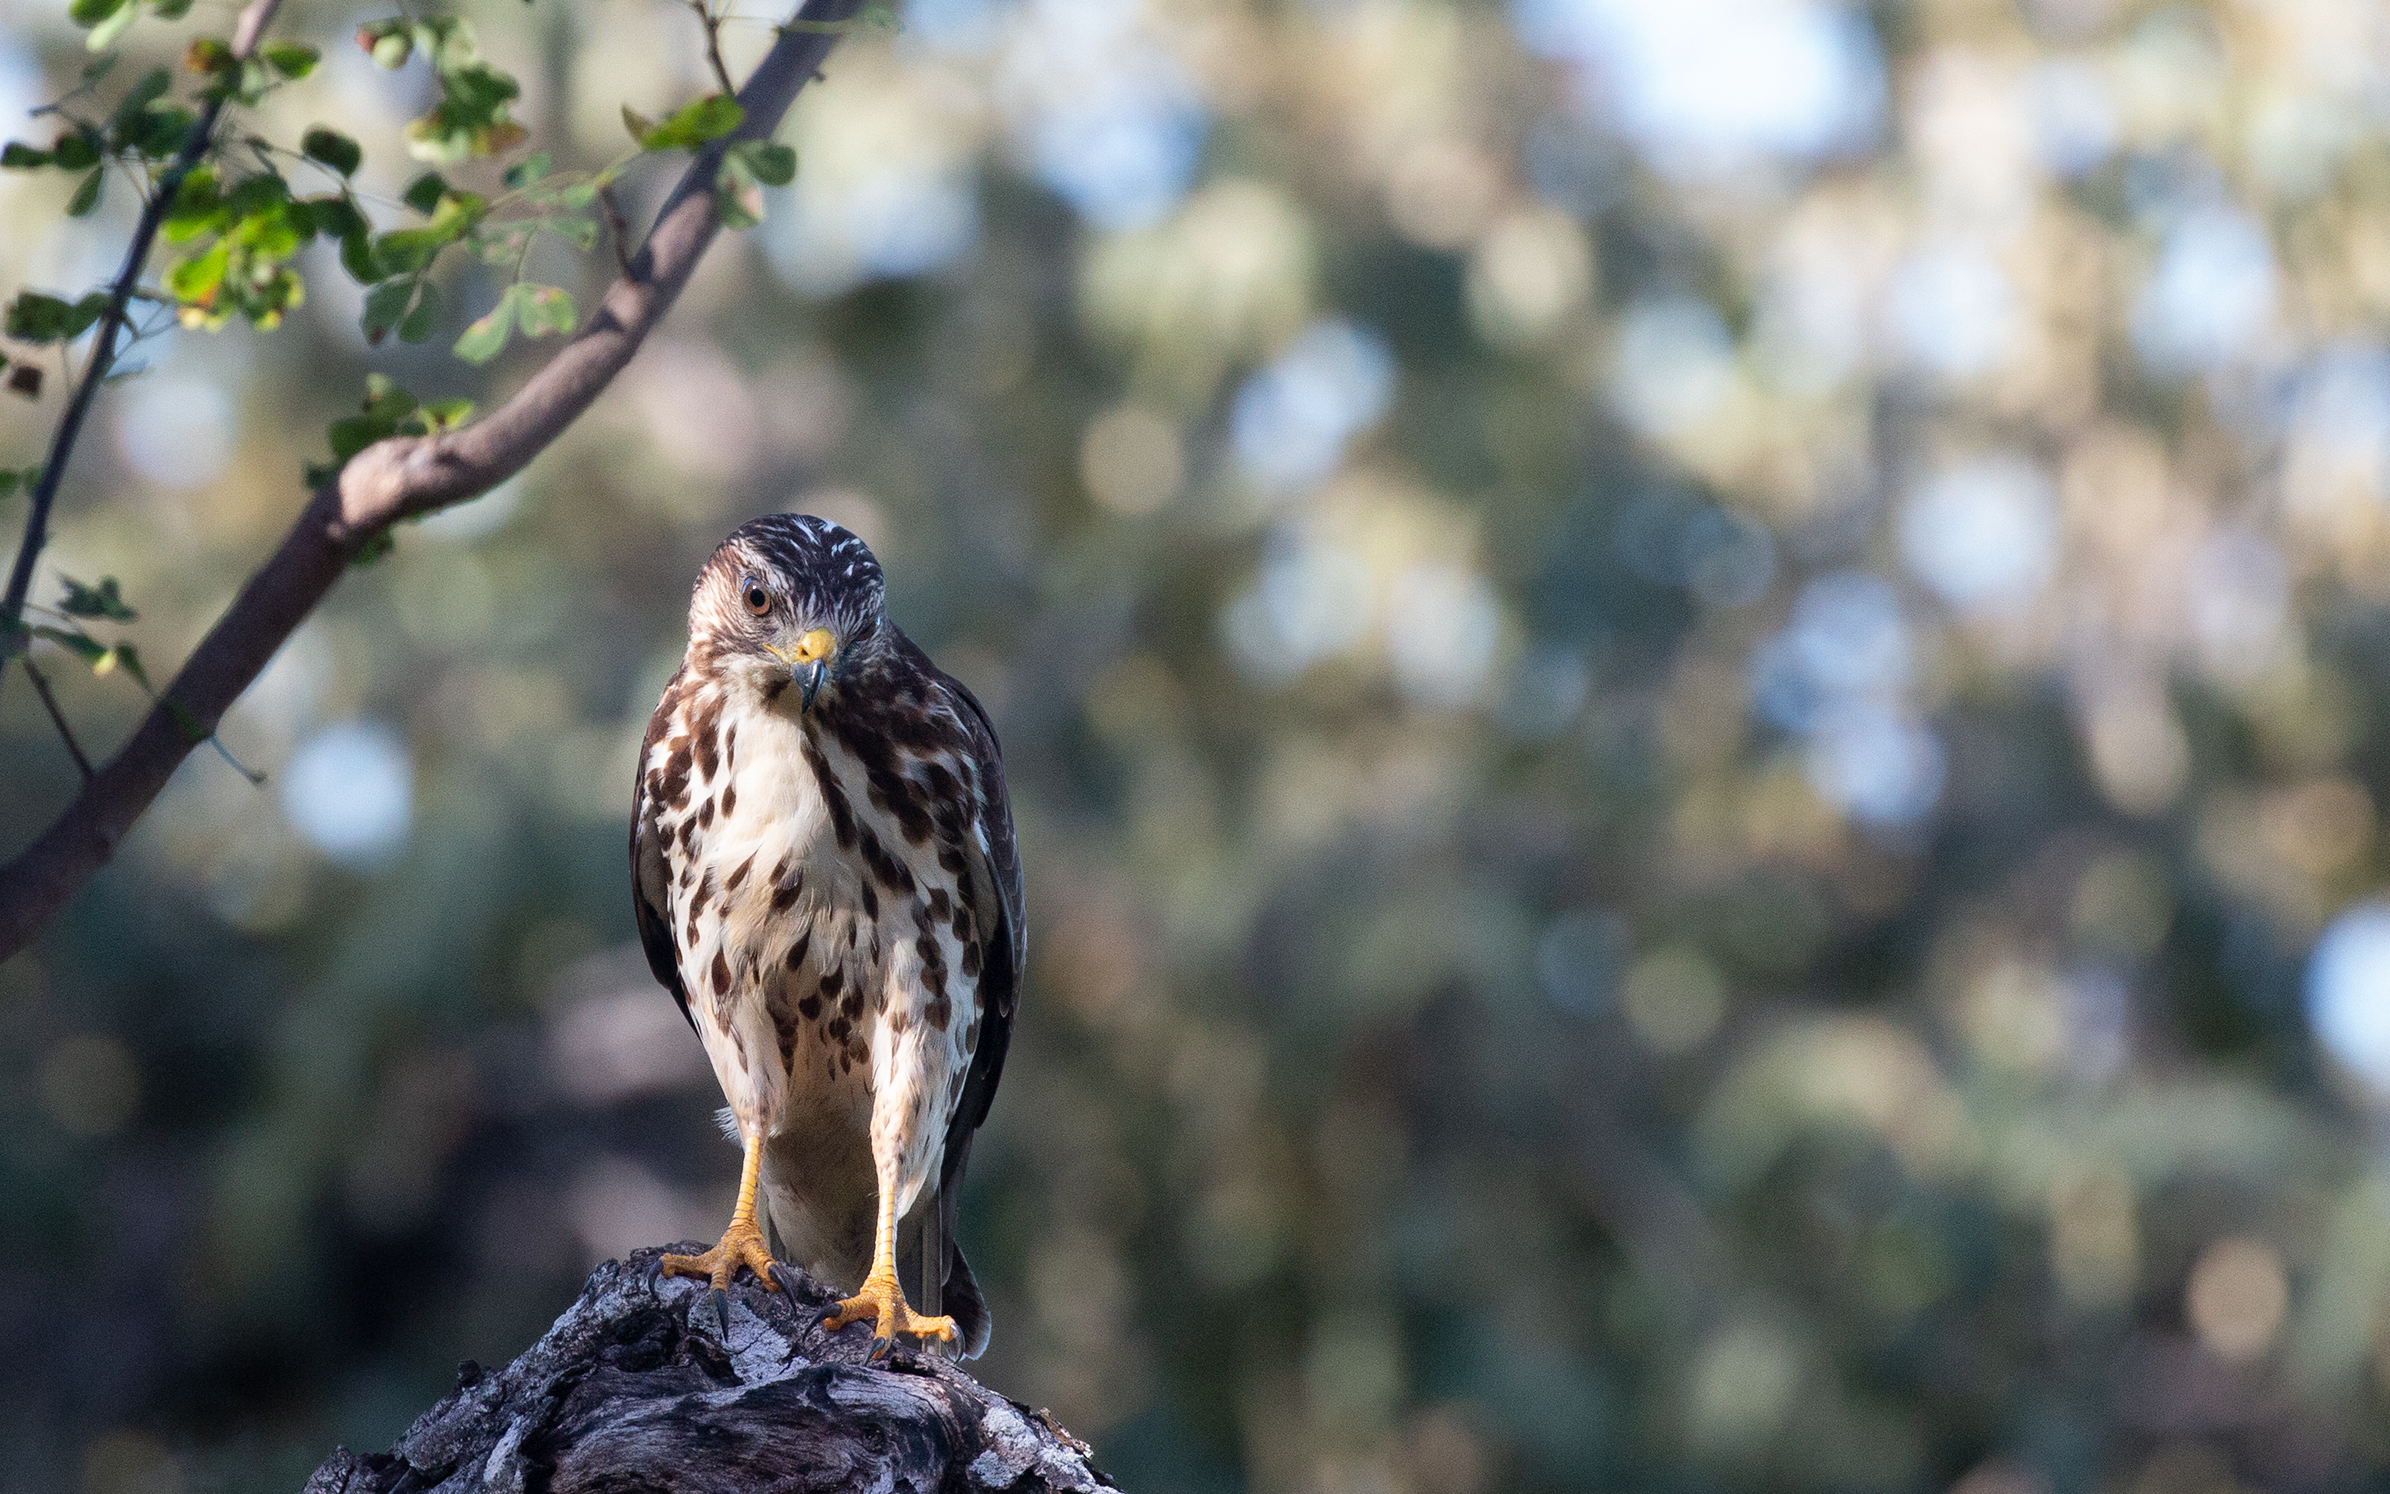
[(787, 601)]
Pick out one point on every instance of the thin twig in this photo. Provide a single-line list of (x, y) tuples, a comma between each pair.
[(247, 32), (66, 733), (618, 228), (398, 478), (713, 43)]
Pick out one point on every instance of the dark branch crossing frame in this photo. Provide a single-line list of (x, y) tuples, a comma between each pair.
[(398, 478)]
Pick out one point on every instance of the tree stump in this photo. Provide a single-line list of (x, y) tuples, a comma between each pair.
[(638, 1388)]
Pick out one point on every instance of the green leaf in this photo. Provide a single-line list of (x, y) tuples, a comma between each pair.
[(774, 165), (16, 156), (486, 338), (87, 194), (353, 434), (423, 194), (207, 56), (76, 152), (89, 13), (104, 600), (90, 309), (385, 306), (335, 216), (447, 414), (151, 88), (692, 125), (162, 131), (581, 233), (416, 325), (130, 657), (8, 481), (357, 255), (194, 281), (169, 10), (528, 170), (82, 645), (332, 148), (392, 49), (738, 201), (410, 249), (34, 317), (637, 123), (104, 35), (290, 59), (542, 309), (197, 209)]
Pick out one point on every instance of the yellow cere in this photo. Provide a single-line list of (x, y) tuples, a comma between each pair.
[(816, 644)]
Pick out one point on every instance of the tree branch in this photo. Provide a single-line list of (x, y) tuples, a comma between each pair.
[(247, 32), (396, 479), (49, 702), (636, 1387)]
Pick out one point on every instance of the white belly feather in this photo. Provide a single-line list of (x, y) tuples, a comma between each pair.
[(806, 980)]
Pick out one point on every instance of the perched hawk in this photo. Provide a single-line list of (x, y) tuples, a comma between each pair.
[(823, 865)]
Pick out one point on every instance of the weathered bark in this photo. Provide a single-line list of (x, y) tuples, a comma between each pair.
[(637, 1388)]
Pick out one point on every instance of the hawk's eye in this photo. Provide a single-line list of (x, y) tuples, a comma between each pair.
[(758, 600)]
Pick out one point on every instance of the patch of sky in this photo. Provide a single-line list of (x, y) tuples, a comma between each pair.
[(1443, 629), (1982, 534), (1703, 86), (2074, 120), (2210, 294), (1108, 120), (1672, 366), (1835, 676), (349, 791), (176, 430), (1310, 599), (1290, 422), (2348, 993), (1952, 311)]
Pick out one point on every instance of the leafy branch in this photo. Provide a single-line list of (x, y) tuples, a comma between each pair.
[(418, 458), (141, 130)]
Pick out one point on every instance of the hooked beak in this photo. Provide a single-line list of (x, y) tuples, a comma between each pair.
[(808, 663)]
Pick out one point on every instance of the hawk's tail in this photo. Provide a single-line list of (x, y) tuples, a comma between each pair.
[(958, 1294), (963, 1302)]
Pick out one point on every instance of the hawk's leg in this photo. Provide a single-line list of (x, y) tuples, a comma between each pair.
[(882, 1298), (742, 1243)]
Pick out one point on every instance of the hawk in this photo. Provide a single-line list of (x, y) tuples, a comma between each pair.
[(824, 872)]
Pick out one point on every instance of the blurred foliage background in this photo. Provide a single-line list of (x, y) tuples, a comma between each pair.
[(1697, 695)]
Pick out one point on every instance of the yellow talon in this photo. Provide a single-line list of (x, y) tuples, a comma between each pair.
[(882, 1301), (742, 1245)]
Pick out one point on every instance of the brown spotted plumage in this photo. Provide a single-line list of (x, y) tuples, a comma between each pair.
[(825, 879)]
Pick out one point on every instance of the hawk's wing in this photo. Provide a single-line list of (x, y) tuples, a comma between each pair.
[(651, 880), (995, 868)]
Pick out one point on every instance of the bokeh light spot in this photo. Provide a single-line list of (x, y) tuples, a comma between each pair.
[(2348, 992), (175, 431), (1981, 535), (2237, 1294), (1291, 421), (350, 790)]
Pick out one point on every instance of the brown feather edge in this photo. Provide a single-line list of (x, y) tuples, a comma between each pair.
[(1004, 952), (655, 924)]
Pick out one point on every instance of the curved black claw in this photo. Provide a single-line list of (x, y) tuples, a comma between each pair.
[(722, 1309)]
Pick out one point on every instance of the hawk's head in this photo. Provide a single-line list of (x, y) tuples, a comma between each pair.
[(788, 599)]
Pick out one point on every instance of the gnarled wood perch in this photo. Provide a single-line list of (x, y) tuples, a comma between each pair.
[(637, 1388)]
